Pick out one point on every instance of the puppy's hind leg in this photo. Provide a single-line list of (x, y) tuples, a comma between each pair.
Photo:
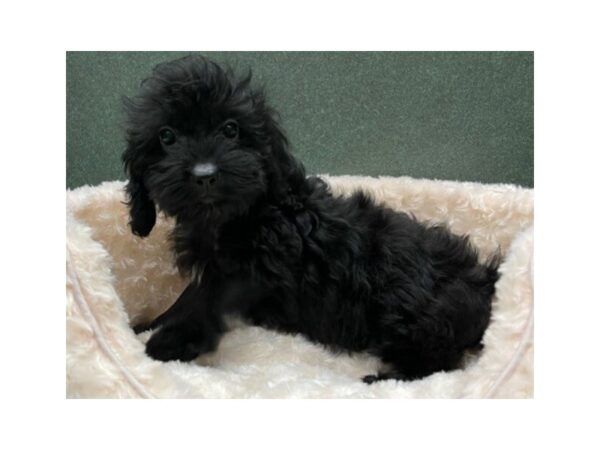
[(406, 364), (393, 374), (381, 376), (390, 371)]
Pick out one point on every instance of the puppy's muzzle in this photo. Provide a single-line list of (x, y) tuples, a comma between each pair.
[(205, 175)]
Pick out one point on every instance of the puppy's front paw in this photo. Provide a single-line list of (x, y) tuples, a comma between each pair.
[(178, 343)]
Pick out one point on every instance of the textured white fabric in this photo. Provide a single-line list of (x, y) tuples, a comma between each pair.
[(115, 279)]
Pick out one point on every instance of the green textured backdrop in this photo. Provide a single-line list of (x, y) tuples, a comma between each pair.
[(445, 115)]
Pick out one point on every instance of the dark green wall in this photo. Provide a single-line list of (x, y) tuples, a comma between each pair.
[(445, 115)]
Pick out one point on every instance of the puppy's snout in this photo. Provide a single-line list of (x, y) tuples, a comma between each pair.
[(205, 174), (206, 181)]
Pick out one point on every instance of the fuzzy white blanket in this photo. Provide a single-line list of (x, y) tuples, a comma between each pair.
[(115, 279)]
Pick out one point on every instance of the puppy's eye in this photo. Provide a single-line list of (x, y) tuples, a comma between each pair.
[(167, 136), (230, 129)]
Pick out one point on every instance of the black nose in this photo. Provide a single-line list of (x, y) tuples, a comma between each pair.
[(206, 180), (205, 175)]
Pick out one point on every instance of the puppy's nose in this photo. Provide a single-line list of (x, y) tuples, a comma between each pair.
[(205, 174)]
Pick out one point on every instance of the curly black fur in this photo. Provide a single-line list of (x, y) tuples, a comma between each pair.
[(262, 240)]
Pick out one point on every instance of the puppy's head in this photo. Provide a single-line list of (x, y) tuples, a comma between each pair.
[(202, 143)]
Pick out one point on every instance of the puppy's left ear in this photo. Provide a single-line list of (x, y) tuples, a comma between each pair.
[(142, 209), (290, 171)]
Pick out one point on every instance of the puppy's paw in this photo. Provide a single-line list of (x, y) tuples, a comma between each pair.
[(394, 375), (178, 343), (141, 327), (370, 379)]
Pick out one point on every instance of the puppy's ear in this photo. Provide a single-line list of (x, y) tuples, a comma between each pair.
[(289, 170), (142, 210)]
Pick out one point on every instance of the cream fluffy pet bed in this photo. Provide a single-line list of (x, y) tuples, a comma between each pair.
[(115, 279)]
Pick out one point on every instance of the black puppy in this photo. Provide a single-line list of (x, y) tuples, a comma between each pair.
[(262, 240)]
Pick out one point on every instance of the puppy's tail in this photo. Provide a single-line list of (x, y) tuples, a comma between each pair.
[(487, 288), (492, 274)]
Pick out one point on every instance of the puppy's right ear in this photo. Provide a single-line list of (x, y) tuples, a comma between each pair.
[(142, 210)]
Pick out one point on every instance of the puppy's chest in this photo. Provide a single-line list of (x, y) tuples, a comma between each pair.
[(268, 247)]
